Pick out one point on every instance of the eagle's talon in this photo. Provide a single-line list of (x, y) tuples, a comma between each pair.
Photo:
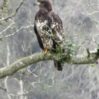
[(45, 50)]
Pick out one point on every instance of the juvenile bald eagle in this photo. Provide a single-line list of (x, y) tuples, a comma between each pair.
[(49, 29)]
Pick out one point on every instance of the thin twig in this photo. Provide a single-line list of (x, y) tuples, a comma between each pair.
[(13, 14)]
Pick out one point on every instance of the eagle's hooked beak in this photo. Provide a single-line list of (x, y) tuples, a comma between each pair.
[(36, 4)]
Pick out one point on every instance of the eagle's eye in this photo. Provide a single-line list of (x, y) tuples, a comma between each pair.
[(44, 4)]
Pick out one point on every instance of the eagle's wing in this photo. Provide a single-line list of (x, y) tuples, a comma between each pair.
[(38, 37), (58, 36), (57, 27)]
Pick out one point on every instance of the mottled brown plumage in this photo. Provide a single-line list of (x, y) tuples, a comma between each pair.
[(49, 29)]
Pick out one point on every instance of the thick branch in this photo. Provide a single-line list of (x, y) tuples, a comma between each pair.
[(22, 63), (26, 61)]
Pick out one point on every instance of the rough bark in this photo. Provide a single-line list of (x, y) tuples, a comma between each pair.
[(41, 56)]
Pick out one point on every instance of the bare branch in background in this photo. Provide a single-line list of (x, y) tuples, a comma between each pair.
[(5, 6), (14, 33), (4, 89), (14, 13), (4, 19), (23, 27), (9, 26)]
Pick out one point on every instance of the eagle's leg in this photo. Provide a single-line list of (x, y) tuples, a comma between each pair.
[(45, 50)]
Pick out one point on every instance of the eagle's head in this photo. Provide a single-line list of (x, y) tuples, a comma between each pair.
[(45, 4)]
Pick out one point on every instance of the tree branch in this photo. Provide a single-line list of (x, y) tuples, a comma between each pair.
[(14, 13), (41, 56), (22, 63)]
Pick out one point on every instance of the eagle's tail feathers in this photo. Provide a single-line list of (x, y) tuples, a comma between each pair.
[(58, 65)]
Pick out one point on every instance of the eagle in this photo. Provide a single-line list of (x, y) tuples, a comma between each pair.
[(48, 28)]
